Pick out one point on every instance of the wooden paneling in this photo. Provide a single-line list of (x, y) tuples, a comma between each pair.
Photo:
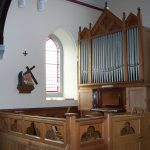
[(146, 53), (127, 133), (136, 98), (146, 131), (85, 99)]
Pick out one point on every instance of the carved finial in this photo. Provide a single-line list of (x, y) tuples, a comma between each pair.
[(90, 26), (80, 29), (106, 5), (124, 16), (139, 11)]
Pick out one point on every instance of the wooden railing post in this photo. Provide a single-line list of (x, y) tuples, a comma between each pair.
[(109, 130), (71, 131)]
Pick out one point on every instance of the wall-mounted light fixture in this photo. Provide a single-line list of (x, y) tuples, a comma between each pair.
[(2, 49), (21, 3), (41, 5)]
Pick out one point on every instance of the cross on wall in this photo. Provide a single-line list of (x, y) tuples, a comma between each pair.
[(25, 53)]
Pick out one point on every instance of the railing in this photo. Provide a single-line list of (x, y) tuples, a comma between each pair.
[(21, 132), (86, 133), (34, 129)]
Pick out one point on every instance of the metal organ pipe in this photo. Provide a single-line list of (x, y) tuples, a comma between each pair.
[(93, 61), (84, 62), (133, 53), (121, 58), (137, 54), (97, 65), (128, 55), (111, 57)]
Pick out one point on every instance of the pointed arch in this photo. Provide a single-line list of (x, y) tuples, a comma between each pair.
[(69, 62)]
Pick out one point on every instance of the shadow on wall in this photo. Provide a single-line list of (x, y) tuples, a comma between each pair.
[(66, 38)]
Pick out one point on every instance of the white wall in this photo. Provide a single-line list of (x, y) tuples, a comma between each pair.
[(127, 6), (70, 63), (27, 29)]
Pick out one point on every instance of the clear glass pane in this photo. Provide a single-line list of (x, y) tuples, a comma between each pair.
[(52, 67)]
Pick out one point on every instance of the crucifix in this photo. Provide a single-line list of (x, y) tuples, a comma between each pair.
[(29, 71), (25, 83), (25, 53)]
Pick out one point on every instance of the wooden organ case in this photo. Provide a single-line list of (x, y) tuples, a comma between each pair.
[(113, 60)]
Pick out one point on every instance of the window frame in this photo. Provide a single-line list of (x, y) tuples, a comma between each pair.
[(56, 40)]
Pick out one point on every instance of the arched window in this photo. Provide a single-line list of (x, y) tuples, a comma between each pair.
[(54, 67)]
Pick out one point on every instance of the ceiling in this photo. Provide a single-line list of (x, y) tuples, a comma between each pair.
[(4, 5)]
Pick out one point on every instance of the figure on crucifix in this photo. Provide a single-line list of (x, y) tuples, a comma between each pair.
[(25, 81)]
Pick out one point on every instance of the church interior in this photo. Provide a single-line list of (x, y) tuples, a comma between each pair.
[(80, 75)]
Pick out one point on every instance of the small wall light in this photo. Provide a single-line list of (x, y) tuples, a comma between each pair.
[(41, 5), (21, 3), (2, 49)]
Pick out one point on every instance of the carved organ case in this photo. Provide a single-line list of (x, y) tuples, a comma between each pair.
[(114, 52)]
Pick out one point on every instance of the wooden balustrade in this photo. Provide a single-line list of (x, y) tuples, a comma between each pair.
[(124, 131), (26, 132), (47, 132)]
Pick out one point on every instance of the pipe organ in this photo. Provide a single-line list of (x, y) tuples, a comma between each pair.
[(112, 50), (115, 53)]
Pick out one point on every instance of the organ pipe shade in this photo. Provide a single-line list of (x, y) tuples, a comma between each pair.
[(108, 58), (21, 3)]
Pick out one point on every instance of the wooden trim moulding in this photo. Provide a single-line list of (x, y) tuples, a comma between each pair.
[(115, 85), (85, 4), (43, 109)]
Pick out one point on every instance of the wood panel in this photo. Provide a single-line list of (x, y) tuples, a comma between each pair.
[(129, 146), (146, 54), (127, 132), (85, 99), (146, 131), (136, 98), (91, 133)]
